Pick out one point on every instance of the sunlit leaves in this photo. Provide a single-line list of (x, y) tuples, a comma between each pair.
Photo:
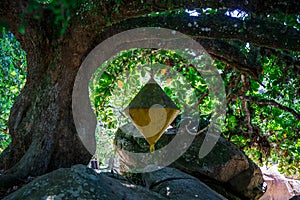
[(265, 132), (12, 79), (278, 89), (112, 89)]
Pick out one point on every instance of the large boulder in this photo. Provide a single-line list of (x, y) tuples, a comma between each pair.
[(226, 165), (224, 162), (80, 182), (176, 185), (279, 186), (249, 183)]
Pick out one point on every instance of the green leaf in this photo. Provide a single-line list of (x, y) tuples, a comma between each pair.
[(21, 29)]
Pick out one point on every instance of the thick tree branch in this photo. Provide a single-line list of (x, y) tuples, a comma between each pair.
[(136, 8), (258, 32), (227, 53), (254, 6), (53, 62), (217, 48), (285, 56), (258, 7), (232, 55), (264, 102)]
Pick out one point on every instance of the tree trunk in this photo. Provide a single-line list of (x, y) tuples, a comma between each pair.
[(41, 124)]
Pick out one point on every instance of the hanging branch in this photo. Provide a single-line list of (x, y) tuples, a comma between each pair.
[(275, 104), (282, 55)]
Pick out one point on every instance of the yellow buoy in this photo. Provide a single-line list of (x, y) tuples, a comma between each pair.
[(152, 111)]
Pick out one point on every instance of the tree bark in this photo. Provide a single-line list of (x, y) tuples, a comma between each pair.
[(44, 137), (255, 31), (41, 124)]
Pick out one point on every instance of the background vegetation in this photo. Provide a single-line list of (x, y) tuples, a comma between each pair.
[(12, 79), (262, 112), (259, 116)]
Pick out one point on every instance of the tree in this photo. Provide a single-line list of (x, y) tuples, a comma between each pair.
[(57, 36)]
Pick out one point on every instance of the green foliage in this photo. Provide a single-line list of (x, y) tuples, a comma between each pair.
[(61, 13), (261, 117), (286, 20), (261, 114), (265, 131), (280, 126), (12, 76), (112, 90), (209, 11)]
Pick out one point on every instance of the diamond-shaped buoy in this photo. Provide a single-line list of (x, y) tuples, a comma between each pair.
[(152, 111)]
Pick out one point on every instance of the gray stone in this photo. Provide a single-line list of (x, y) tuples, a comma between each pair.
[(177, 185), (226, 164), (80, 182), (295, 197), (249, 183), (223, 163)]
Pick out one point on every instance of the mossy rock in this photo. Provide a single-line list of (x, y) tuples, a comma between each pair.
[(225, 162)]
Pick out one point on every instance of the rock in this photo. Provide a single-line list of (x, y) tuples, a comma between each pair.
[(128, 138), (80, 182), (222, 163), (279, 187), (295, 197), (176, 185), (249, 183), (226, 164)]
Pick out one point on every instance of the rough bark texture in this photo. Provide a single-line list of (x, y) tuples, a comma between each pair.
[(43, 134), (41, 123)]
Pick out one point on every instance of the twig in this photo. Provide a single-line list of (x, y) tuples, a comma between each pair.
[(274, 103)]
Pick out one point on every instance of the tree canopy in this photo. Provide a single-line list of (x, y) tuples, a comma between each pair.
[(255, 45)]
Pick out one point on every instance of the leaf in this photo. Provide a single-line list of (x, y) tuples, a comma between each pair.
[(169, 80), (120, 84), (3, 25), (21, 29), (163, 71)]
